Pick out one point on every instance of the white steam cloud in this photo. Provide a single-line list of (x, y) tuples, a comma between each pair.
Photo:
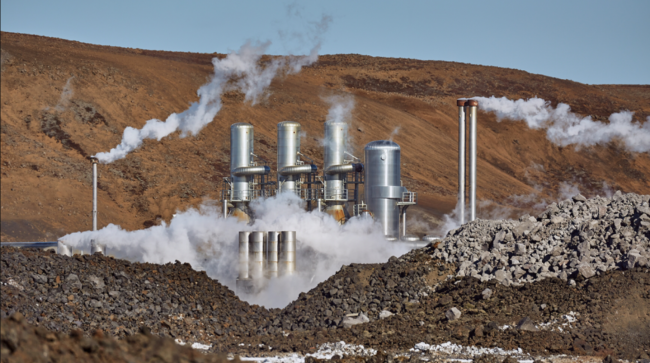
[(564, 127), (209, 242), (239, 71), (340, 110)]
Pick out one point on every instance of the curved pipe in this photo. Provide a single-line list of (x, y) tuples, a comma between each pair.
[(343, 169), (298, 169), (251, 170)]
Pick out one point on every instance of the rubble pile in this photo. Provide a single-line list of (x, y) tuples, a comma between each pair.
[(575, 237), (95, 292)]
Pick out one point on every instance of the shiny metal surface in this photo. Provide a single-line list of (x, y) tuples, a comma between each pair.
[(256, 254), (461, 162), (224, 207), (241, 147), (288, 149), (243, 254), (287, 253), (251, 170), (336, 134), (272, 253), (94, 161), (382, 186), (404, 220), (297, 170), (472, 162)]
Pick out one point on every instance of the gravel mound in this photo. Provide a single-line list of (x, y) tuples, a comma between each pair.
[(606, 314), (22, 342), (577, 237), (96, 292), (363, 289)]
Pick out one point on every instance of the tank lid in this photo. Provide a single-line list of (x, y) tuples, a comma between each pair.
[(241, 125), (382, 145), (288, 124)]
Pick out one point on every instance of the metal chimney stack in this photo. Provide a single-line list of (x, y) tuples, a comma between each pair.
[(461, 159), (94, 161), (94, 245), (467, 109)]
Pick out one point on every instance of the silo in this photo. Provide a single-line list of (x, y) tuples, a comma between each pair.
[(335, 169), (289, 165), (242, 169), (383, 190)]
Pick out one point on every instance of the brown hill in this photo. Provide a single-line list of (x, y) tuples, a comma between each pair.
[(46, 178)]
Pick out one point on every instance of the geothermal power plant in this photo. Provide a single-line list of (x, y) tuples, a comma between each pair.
[(333, 189)]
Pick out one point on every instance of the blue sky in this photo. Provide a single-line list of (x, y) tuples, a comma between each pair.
[(595, 42)]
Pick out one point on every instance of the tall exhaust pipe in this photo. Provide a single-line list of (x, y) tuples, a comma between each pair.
[(94, 245), (94, 161), (461, 159), (473, 105)]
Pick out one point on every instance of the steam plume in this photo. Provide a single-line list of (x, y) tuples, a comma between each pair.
[(564, 127), (64, 99), (394, 133), (209, 242), (239, 71)]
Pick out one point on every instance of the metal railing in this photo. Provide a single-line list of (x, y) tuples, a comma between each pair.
[(311, 194), (335, 194), (244, 195), (295, 191), (357, 209), (409, 198)]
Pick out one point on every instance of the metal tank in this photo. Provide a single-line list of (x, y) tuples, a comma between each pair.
[(336, 168), (383, 190), (272, 254), (243, 255), (256, 256), (290, 167), (242, 168), (287, 253)]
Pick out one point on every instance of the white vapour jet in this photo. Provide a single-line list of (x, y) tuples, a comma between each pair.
[(564, 127), (239, 71)]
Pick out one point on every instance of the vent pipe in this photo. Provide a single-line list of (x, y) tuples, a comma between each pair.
[(467, 109), (94, 161), (473, 105), (461, 159), (94, 245)]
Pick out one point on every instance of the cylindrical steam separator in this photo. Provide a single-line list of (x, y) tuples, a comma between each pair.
[(272, 254), (256, 254), (287, 253), (243, 254)]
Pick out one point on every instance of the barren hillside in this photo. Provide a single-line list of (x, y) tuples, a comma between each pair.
[(47, 134)]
